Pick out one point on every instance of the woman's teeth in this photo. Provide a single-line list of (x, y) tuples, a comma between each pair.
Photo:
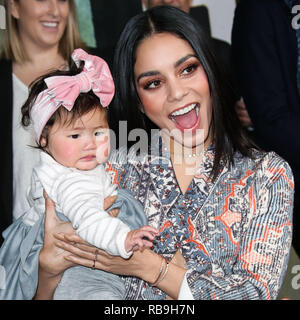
[(50, 24), (186, 110)]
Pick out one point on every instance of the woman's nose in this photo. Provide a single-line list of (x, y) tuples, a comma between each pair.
[(53, 7), (176, 90)]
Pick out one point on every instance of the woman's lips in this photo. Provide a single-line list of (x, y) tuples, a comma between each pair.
[(50, 25)]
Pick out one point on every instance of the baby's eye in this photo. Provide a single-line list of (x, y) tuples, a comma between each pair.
[(99, 133), (74, 136)]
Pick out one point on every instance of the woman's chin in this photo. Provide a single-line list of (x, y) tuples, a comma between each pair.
[(186, 138)]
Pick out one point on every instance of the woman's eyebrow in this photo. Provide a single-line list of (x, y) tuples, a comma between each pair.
[(176, 64), (147, 74), (183, 59)]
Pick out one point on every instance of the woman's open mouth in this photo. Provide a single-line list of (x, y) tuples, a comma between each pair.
[(186, 118)]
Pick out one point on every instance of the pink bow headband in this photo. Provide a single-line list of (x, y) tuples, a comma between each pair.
[(64, 90)]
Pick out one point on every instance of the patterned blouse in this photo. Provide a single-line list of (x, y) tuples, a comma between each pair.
[(234, 233)]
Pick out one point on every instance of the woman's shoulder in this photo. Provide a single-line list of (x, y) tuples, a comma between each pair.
[(269, 159), (265, 164)]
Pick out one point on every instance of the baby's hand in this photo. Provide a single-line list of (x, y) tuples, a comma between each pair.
[(136, 238)]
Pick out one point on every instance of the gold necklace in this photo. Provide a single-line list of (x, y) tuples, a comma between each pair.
[(189, 155)]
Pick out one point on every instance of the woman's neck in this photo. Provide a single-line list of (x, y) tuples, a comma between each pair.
[(186, 160), (39, 63), (183, 153)]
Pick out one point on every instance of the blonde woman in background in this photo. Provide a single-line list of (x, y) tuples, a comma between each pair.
[(39, 36)]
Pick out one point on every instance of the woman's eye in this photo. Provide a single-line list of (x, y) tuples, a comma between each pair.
[(152, 84), (189, 69), (99, 133)]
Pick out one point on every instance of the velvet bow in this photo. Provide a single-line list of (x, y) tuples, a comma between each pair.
[(64, 90)]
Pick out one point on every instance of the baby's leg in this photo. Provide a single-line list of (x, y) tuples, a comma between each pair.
[(82, 283)]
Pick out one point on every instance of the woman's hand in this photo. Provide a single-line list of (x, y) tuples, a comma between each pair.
[(144, 264), (52, 258), (89, 256), (52, 262)]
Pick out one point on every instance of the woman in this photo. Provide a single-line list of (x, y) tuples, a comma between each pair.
[(40, 36), (223, 208)]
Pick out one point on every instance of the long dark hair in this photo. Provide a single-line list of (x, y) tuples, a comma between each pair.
[(227, 131)]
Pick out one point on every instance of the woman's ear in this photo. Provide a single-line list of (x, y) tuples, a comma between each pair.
[(141, 107), (14, 9)]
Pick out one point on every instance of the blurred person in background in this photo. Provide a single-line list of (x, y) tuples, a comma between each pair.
[(266, 57), (40, 36)]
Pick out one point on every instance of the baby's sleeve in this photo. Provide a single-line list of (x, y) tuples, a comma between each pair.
[(81, 200)]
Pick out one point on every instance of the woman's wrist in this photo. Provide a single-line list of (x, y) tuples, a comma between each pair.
[(161, 272), (164, 267), (167, 276), (147, 265), (171, 280)]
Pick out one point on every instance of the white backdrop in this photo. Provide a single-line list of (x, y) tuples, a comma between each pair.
[(221, 14)]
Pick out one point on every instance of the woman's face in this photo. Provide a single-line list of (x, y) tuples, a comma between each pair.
[(173, 88), (41, 23)]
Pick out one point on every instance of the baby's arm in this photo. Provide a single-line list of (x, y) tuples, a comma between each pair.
[(83, 205), (139, 238)]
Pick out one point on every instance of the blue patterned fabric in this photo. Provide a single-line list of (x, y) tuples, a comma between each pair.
[(234, 233)]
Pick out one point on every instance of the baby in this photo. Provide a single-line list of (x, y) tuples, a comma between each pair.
[(67, 111)]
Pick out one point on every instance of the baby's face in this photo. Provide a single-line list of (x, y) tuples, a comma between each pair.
[(83, 144)]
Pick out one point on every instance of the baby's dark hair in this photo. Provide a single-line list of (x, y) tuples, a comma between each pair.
[(84, 103)]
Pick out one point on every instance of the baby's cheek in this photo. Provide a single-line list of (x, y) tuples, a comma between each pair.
[(103, 149), (65, 155)]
